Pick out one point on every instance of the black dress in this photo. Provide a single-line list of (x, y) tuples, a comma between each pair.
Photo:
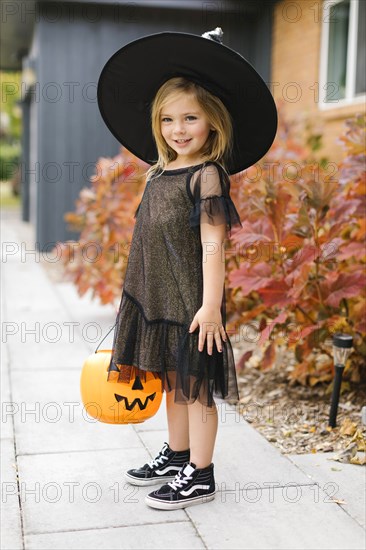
[(163, 287)]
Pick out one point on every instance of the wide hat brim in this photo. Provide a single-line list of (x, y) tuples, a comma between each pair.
[(132, 76)]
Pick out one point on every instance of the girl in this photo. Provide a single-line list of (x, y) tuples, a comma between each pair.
[(171, 318)]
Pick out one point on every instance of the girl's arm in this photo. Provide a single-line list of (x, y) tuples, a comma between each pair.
[(213, 263), (214, 214), (208, 317)]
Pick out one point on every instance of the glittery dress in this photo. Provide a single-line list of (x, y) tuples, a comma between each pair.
[(163, 287)]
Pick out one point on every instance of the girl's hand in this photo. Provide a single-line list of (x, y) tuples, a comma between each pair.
[(210, 323)]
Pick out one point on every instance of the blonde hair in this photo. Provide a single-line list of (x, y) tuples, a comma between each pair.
[(219, 143)]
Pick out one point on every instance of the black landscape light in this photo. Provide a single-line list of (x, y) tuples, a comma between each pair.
[(342, 347)]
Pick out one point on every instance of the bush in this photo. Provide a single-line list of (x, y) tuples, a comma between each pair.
[(104, 216), (9, 160), (297, 267)]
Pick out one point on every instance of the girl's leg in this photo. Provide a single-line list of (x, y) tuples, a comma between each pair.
[(177, 415), (203, 422)]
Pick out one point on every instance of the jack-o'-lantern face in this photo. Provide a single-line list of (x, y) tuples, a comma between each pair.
[(136, 386), (131, 401)]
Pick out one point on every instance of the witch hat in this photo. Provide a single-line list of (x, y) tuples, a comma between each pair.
[(132, 76)]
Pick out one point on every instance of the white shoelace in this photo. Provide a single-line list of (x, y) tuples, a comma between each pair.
[(159, 459), (179, 481)]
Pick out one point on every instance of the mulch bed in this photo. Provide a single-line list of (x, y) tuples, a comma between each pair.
[(294, 418)]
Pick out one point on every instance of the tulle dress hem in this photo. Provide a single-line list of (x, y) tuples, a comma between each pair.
[(172, 357)]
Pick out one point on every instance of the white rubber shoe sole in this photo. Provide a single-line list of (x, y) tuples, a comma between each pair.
[(163, 505)]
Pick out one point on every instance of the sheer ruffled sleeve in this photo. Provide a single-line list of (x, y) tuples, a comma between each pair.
[(210, 190)]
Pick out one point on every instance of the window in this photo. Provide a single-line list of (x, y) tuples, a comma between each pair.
[(342, 65)]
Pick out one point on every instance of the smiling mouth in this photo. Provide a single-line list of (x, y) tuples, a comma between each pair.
[(130, 406), (182, 140)]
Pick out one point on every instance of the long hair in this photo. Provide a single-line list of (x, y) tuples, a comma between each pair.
[(218, 146)]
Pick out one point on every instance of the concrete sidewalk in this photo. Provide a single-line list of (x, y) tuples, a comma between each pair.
[(62, 478)]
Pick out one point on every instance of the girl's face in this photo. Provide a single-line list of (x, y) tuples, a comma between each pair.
[(185, 127)]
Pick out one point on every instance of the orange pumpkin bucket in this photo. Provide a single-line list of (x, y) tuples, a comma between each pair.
[(130, 402)]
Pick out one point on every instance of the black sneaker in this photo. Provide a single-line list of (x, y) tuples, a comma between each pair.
[(191, 486), (163, 468)]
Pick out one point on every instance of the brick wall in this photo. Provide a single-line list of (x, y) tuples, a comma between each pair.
[(296, 59)]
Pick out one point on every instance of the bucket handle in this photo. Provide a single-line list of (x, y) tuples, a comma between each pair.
[(105, 336)]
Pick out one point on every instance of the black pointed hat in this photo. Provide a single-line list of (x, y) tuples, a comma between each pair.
[(132, 76)]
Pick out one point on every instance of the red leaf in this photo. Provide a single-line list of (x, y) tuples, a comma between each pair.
[(345, 286), (250, 277), (269, 357), (275, 294), (265, 334), (250, 233), (243, 359), (353, 249), (330, 250)]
